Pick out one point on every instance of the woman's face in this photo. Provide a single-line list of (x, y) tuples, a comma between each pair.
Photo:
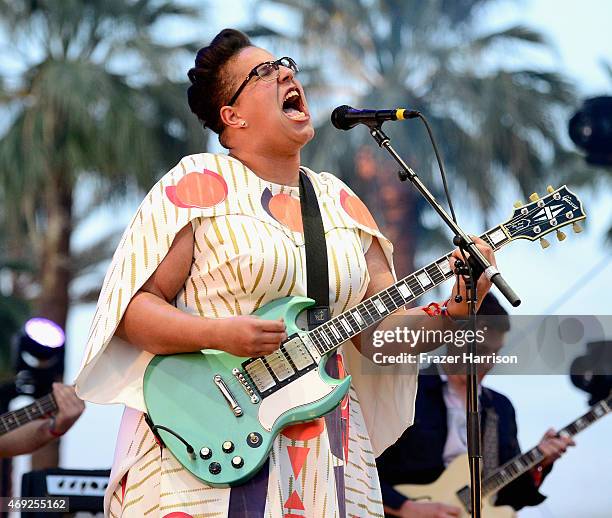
[(276, 118)]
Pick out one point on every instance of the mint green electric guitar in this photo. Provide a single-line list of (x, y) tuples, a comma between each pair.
[(219, 414)]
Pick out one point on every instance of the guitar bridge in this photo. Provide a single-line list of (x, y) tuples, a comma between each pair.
[(246, 386)]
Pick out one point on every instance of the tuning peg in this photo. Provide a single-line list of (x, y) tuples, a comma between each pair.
[(518, 204), (561, 235), (576, 227), (550, 189), (545, 244), (534, 197)]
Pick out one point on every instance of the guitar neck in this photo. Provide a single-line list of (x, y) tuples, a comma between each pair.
[(519, 465), (40, 408), (343, 327)]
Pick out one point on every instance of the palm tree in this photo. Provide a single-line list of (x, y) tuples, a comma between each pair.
[(89, 102), (495, 125)]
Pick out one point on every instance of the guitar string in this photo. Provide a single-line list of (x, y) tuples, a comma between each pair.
[(276, 359), (46, 407), (396, 298), (261, 368), (36, 407)]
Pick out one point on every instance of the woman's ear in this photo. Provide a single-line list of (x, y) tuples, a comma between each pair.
[(230, 117)]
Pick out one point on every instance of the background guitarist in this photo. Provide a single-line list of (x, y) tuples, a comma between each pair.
[(438, 435), (36, 434)]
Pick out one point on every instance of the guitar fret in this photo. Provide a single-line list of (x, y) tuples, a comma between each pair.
[(435, 274), (337, 332), (495, 237), (343, 334), (445, 268), (486, 238), (352, 321), (317, 339), (325, 339), (379, 305), (397, 299), (346, 325), (370, 317), (415, 287), (358, 318), (386, 297), (334, 331), (423, 278), (404, 291)]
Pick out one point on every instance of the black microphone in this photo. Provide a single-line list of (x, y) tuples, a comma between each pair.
[(344, 117)]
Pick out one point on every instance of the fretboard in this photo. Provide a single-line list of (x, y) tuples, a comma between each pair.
[(41, 407), (519, 465), (343, 327)]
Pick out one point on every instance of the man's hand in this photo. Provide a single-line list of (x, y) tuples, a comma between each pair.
[(553, 446), (412, 509), (460, 309), (70, 407)]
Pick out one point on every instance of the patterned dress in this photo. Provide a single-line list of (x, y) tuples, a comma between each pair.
[(248, 251)]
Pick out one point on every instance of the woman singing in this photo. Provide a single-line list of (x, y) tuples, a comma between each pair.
[(218, 237)]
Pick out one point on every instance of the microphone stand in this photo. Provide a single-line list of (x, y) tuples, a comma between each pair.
[(478, 265)]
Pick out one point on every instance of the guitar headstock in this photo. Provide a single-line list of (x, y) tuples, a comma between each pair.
[(542, 216)]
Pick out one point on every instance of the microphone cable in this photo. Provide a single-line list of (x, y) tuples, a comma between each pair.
[(446, 190)]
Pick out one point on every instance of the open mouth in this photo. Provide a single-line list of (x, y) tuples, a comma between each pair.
[(293, 106)]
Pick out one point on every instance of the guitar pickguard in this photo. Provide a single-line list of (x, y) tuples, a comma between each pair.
[(308, 389)]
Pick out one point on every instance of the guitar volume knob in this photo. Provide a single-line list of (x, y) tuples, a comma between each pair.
[(214, 468), (237, 462), (227, 447), (205, 453)]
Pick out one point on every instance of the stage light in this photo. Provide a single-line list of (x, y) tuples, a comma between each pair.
[(45, 332), (38, 356), (591, 130)]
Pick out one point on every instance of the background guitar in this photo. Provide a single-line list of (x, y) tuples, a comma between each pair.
[(452, 487)]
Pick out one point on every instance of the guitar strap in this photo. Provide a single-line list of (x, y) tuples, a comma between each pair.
[(490, 440), (317, 276)]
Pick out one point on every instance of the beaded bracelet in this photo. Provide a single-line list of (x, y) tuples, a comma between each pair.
[(433, 309)]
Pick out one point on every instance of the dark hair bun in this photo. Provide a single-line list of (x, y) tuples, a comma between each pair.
[(209, 88)]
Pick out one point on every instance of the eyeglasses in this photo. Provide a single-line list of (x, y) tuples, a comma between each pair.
[(266, 71)]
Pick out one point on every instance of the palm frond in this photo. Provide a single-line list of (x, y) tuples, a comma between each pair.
[(515, 34)]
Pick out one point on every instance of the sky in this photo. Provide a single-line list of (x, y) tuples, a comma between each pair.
[(573, 277)]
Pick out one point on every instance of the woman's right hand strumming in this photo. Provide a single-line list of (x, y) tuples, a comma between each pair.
[(249, 336)]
